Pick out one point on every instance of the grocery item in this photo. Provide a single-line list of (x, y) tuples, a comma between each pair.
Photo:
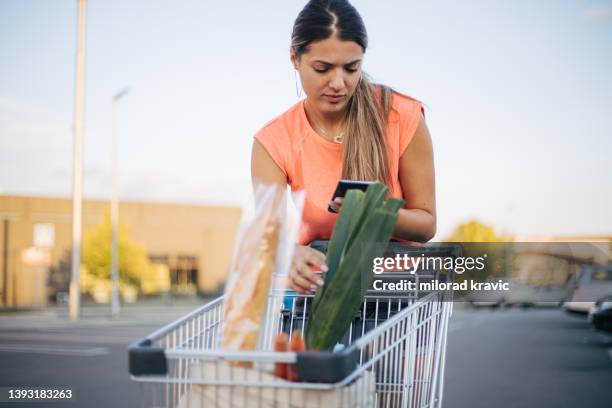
[(296, 344), (263, 244), (281, 344), (361, 233)]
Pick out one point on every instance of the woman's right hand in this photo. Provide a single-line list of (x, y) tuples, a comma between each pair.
[(306, 268)]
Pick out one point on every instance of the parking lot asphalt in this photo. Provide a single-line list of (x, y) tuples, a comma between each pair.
[(89, 357), (526, 358), (495, 358)]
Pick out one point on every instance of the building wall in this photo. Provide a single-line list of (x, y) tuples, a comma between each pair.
[(203, 231), (543, 269)]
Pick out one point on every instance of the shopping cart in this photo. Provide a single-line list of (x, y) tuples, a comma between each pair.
[(392, 355)]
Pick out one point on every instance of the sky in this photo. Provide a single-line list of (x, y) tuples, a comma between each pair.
[(518, 100)]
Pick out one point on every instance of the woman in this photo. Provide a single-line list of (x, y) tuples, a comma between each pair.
[(347, 128)]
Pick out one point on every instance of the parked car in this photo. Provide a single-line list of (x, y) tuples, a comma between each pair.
[(601, 314), (520, 294), (551, 295), (486, 298), (592, 283)]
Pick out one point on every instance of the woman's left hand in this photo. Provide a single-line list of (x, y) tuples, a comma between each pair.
[(336, 203)]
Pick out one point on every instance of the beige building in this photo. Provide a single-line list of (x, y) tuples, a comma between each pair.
[(554, 260), (194, 241)]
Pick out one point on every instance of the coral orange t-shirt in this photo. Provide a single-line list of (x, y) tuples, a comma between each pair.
[(314, 164)]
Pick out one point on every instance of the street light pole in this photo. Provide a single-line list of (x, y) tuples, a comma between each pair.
[(77, 182), (115, 305)]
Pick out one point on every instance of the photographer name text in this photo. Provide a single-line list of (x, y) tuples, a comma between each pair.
[(405, 285)]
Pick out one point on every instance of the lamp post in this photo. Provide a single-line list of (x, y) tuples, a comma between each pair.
[(77, 182), (115, 306)]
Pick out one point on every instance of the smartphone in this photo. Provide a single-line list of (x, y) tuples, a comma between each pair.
[(345, 185)]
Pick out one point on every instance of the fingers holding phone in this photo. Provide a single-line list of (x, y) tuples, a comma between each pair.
[(341, 189), (336, 204)]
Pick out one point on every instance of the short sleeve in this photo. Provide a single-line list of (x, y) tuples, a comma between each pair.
[(410, 112), (277, 145)]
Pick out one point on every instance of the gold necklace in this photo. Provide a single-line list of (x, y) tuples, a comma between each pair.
[(337, 138)]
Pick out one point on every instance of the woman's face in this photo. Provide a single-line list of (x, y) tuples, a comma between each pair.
[(330, 71)]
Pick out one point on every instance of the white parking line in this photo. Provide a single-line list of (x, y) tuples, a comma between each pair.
[(47, 349), (72, 337)]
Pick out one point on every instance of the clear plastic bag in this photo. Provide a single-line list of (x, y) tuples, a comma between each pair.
[(264, 246)]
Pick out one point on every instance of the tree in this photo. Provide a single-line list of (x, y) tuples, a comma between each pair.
[(475, 231), (133, 260), (479, 239)]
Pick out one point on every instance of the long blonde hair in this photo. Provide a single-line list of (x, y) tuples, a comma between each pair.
[(365, 146)]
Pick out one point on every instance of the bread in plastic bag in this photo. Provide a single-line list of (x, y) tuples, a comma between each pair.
[(264, 246)]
